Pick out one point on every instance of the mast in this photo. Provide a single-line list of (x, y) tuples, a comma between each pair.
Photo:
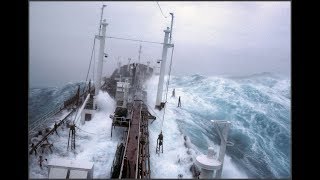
[(119, 64), (101, 54), (139, 54), (101, 37), (163, 67), (166, 45), (171, 27), (128, 67), (103, 6)]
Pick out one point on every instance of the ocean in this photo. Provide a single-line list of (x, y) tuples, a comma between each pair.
[(258, 107)]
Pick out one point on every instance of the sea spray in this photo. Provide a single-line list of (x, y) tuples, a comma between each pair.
[(258, 106)]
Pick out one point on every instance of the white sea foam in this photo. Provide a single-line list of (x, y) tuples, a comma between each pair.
[(167, 165), (94, 145), (253, 104)]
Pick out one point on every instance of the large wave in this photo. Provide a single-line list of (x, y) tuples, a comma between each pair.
[(258, 106), (42, 100)]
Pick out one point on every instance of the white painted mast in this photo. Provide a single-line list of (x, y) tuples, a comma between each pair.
[(101, 36), (88, 112), (171, 27), (163, 67), (103, 6), (101, 54), (166, 45)]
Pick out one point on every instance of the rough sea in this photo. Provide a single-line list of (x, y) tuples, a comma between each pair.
[(258, 106)]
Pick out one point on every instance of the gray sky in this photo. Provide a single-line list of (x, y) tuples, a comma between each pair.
[(210, 38)]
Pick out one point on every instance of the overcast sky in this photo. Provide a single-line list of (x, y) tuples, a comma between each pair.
[(210, 38)]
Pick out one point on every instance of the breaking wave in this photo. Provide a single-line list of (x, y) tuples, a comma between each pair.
[(258, 107)]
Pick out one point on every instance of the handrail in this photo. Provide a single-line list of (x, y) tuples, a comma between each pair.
[(35, 124), (47, 114), (81, 109), (138, 153), (125, 149), (43, 119), (50, 132), (115, 157), (58, 108)]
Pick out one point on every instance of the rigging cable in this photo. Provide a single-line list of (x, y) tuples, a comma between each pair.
[(36, 124), (94, 63), (128, 39), (168, 81), (46, 114), (161, 10), (92, 52)]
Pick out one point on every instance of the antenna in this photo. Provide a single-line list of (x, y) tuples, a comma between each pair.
[(128, 67), (119, 65)]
